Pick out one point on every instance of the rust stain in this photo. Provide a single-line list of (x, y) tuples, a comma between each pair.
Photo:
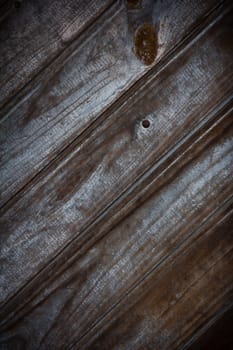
[(145, 43)]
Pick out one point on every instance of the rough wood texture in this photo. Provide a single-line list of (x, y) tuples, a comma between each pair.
[(85, 290), (72, 91), (209, 336), (34, 33), (179, 298), (89, 179), (116, 177)]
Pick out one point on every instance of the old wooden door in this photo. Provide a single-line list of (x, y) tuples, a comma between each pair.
[(116, 174)]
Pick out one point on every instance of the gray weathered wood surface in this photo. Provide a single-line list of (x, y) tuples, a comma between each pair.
[(115, 235), (69, 94)]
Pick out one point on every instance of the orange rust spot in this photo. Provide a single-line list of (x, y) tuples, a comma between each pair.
[(145, 43)]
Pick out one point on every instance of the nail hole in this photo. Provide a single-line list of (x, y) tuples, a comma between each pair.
[(145, 123)]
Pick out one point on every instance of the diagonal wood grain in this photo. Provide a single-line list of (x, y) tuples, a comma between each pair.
[(92, 286), (90, 178), (178, 298), (121, 236), (90, 73), (158, 176), (35, 33), (216, 333)]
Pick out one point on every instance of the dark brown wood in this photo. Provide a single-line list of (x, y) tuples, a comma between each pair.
[(116, 182), (218, 334)]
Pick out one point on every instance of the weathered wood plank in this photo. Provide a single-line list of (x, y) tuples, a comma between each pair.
[(88, 290), (191, 287), (89, 75), (78, 189), (35, 32)]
